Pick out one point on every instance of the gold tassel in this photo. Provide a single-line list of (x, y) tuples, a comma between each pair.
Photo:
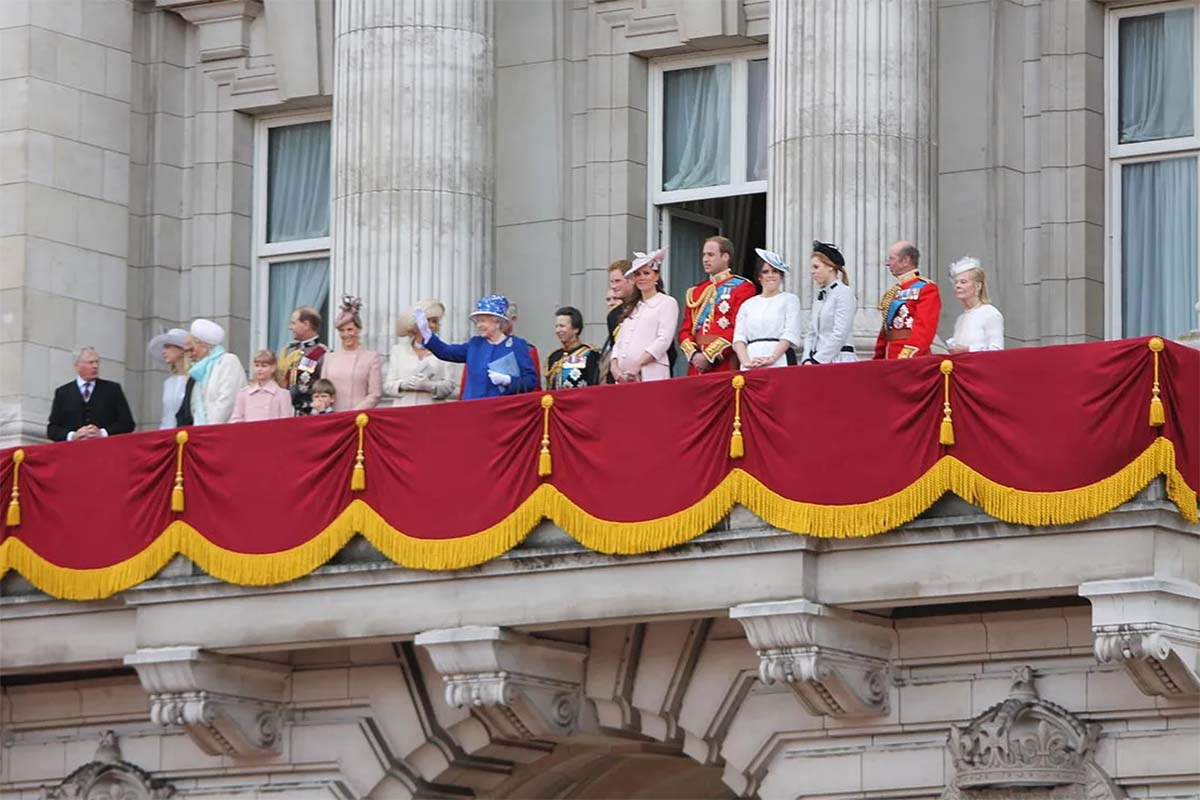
[(177, 492), (13, 519), (1158, 415), (545, 465), (737, 448), (358, 478), (947, 435)]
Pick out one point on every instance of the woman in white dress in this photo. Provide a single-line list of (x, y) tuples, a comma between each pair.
[(168, 348), (981, 325), (832, 322), (767, 330), (416, 377)]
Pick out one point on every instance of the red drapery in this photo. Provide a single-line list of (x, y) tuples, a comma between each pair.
[(1041, 436)]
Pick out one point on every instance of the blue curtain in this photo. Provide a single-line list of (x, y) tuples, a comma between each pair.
[(294, 284), (1158, 247), (757, 128), (298, 182), (696, 120), (1156, 76)]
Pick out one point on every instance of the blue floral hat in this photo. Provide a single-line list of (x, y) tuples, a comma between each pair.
[(494, 305)]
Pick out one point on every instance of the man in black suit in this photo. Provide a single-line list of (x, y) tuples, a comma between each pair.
[(88, 407)]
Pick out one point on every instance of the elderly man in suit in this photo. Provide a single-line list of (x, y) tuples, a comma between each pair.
[(88, 407)]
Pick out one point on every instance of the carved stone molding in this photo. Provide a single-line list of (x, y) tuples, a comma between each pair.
[(222, 26), (227, 705), (110, 777), (835, 661), (1151, 627), (522, 687), (1026, 747)]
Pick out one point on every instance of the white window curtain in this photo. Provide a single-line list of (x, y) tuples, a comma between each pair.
[(696, 121), (1158, 247), (758, 123), (1155, 86), (293, 284), (298, 182)]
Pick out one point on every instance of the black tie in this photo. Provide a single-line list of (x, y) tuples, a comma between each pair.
[(821, 294), (87, 392)]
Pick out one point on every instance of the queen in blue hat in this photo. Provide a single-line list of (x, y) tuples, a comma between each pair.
[(498, 363)]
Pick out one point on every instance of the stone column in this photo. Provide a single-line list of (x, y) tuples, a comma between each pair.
[(414, 185), (853, 150)]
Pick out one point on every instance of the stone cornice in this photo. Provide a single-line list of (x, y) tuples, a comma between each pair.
[(1151, 627), (836, 662)]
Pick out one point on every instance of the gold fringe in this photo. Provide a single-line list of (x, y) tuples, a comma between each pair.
[(545, 465), (1158, 416), (13, 517), (177, 491), (946, 437), (547, 502), (737, 448), (358, 476)]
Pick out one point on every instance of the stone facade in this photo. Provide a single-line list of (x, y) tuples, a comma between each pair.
[(129, 142), (749, 663)]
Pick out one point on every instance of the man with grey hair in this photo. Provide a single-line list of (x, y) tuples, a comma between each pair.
[(88, 407), (910, 309)]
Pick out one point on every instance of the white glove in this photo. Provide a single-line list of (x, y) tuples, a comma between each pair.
[(499, 378), (422, 324), (414, 383)]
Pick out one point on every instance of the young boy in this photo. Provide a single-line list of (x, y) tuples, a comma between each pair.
[(263, 398), (323, 395)]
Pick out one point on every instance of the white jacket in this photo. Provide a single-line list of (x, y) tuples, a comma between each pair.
[(218, 394), (832, 325)]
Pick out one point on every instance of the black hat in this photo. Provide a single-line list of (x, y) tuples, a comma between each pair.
[(830, 251)]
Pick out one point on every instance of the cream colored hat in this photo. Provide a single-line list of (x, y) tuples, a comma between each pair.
[(208, 332)]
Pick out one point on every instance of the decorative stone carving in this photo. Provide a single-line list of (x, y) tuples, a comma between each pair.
[(227, 705), (522, 687), (835, 661), (1026, 747), (1152, 628), (222, 26), (108, 777)]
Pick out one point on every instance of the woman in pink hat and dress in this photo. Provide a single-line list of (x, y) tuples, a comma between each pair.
[(640, 350), (354, 371)]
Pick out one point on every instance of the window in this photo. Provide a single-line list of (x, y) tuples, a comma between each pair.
[(709, 134), (291, 223), (1153, 117), (710, 127)]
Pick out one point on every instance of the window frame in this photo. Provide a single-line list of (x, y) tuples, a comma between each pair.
[(268, 253), (1117, 156), (1112, 79), (739, 97)]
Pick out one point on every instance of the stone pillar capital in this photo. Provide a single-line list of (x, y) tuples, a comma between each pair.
[(524, 688), (223, 26), (836, 661), (226, 704), (1150, 626)]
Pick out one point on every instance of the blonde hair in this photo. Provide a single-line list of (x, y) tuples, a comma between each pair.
[(407, 326), (971, 267), (264, 356)]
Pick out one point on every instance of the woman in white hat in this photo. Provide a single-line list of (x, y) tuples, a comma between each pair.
[(981, 325), (168, 348), (640, 350), (218, 374), (416, 377), (498, 363), (767, 330), (832, 322)]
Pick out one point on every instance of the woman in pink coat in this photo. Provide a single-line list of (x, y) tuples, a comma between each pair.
[(640, 351), (354, 371)]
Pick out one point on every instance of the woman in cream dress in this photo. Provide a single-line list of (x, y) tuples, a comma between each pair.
[(415, 376), (981, 325), (767, 330)]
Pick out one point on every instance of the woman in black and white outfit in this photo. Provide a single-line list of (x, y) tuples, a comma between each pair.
[(829, 334)]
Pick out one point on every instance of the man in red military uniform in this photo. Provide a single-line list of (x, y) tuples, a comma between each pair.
[(710, 311), (910, 309)]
